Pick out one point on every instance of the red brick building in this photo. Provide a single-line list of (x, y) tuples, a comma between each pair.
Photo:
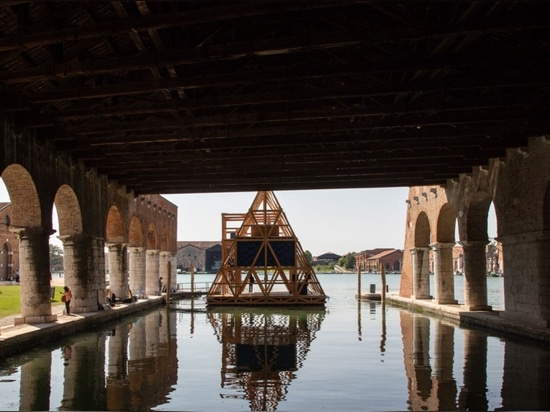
[(370, 260)]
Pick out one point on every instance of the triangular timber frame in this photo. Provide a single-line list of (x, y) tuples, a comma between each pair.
[(263, 262)]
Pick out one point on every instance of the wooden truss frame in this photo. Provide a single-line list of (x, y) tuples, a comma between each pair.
[(262, 260)]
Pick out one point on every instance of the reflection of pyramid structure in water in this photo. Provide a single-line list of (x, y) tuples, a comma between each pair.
[(262, 260), (262, 350)]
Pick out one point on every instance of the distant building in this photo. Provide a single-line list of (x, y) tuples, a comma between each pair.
[(9, 253), (326, 258), (361, 257), (370, 260), (203, 255)]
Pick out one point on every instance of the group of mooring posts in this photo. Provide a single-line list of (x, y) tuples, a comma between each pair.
[(372, 295)]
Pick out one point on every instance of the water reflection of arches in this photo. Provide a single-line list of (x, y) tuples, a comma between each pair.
[(261, 351)]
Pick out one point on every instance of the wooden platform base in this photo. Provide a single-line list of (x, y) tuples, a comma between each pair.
[(259, 299)]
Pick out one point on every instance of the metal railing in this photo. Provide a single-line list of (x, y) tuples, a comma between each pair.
[(198, 287)]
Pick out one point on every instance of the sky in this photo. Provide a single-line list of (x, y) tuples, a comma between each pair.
[(338, 221)]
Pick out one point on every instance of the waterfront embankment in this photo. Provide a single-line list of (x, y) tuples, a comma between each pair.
[(18, 338), (493, 320)]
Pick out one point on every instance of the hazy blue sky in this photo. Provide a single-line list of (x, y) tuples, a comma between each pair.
[(338, 221)]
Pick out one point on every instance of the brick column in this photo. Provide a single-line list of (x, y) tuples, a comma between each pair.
[(34, 270), (443, 273), (118, 279), (83, 274), (152, 272), (475, 275), (420, 273), (137, 269)]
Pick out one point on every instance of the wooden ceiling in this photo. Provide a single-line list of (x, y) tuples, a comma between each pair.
[(222, 96)]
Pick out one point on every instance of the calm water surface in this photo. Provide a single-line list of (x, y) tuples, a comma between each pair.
[(349, 356)]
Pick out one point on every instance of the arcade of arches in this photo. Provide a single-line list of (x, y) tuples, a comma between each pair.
[(519, 188), (140, 231), (94, 214)]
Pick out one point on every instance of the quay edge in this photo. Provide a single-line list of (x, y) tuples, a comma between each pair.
[(490, 319), (19, 338)]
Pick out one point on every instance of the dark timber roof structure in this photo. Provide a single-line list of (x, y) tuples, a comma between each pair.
[(211, 96)]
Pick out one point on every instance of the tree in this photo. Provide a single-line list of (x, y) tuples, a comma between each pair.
[(308, 256), (347, 261), (56, 258)]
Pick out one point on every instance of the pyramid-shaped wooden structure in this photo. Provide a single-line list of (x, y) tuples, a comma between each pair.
[(262, 260)]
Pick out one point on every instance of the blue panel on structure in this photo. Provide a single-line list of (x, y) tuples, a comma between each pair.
[(246, 251), (284, 250)]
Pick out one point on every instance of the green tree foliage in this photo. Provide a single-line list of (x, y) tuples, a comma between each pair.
[(56, 258), (308, 256), (347, 261)]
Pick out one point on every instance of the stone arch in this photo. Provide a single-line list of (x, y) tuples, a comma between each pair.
[(135, 232), (115, 226), (422, 230), (69, 211), (152, 237), (477, 217), (26, 210), (446, 221)]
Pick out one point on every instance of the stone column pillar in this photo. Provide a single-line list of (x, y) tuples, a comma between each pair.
[(152, 272), (137, 270), (118, 278), (421, 273), (164, 259), (174, 274), (82, 274), (422, 382), (34, 270), (443, 366), (137, 351), (527, 280), (443, 273), (117, 369), (475, 275), (35, 380), (473, 394)]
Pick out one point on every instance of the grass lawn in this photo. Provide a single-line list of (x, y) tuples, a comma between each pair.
[(10, 299)]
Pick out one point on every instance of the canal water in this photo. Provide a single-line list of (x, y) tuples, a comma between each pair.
[(350, 356)]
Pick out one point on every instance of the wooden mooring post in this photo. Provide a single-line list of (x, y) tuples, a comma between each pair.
[(383, 275)]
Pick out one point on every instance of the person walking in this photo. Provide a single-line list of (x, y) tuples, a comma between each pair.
[(160, 285), (67, 296), (251, 284)]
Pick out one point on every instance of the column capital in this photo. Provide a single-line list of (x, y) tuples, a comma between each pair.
[(419, 249), (32, 231), (473, 243), (442, 245)]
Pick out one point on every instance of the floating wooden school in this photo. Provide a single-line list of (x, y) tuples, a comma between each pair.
[(262, 260)]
